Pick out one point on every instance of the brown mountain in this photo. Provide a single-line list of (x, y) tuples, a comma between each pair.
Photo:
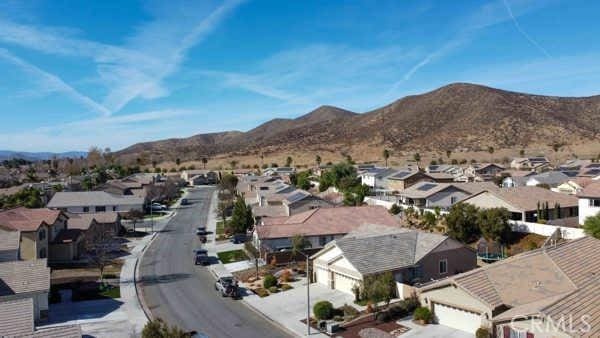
[(458, 115)]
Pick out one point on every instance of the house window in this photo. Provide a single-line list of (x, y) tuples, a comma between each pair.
[(595, 203), (100, 209), (86, 209), (43, 253), (453, 199), (443, 266), (322, 240), (42, 234)]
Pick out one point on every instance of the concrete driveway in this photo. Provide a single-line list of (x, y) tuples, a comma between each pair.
[(432, 331), (289, 307)]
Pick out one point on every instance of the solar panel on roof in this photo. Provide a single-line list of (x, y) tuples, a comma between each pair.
[(593, 172), (295, 197), (594, 165), (427, 186)]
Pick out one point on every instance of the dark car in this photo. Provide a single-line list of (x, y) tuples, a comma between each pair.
[(201, 232), (185, 201), (238, 238), (201, 257)]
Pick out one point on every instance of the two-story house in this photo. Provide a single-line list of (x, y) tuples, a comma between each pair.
[(94, 201), (589, 201)]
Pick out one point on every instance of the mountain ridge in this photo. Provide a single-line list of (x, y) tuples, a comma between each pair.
[(458, 115)]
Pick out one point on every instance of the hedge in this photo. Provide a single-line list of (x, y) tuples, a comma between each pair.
[(323, 310)]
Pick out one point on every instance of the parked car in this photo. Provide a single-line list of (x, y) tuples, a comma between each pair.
[(238, 238), (201, 232), (201, 228), (201, 257), (184, 201), (227, 286), (158, 207)]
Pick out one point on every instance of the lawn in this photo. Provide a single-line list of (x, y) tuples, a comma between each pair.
[(232, 256), (220, 228)]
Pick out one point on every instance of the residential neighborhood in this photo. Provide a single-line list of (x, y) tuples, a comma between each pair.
[(312, 169)]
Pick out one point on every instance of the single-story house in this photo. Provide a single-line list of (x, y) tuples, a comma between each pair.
[(318, 226), (286, 203), (17, 320), (94, 202), (441, 195), (43, 233), (550, 178), (482, 171), (549, 292), (589, 201), (523, 202), (26, 279), (411, 256)]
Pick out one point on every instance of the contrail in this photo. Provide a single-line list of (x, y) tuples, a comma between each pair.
[(529, 38)]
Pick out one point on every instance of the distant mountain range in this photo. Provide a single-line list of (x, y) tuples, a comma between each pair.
[(457, 116), (38, 156)]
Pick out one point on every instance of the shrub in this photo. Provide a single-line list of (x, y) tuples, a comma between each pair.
[(409, 304), (261, 292), (285, 287), (482, 332), (269, 281), (422, 313), (338, 318), (395, 209), (323, 310), (398, 311), (383, 317), (349, 311), (273, 289)]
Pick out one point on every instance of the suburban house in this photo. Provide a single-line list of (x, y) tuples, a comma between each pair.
[(94, 201), (575, 164), (279, 171), (248, 184), (375, 177), (440, 195), (288, 204), (573, 185), (548, 292), (535, 163), (26, 279), (9, 245), (17, 320), (516, 178), (318, 226), (524, 203), (482, 171), (411, 256), (590, 170), (550, 178), (403, 179), (589, 201), (43, 233)]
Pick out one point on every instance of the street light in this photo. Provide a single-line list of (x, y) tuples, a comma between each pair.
[(307, 291)]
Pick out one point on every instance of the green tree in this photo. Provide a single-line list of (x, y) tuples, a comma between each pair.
[(591, 226), (429, 220), (241, 218), (379, 288), (395, 209), (288, 161), (494, 224), (462, 222), (301, 180), (318, 160), (491, 151), (334, 176), (417, 157), (228, 182), (233, 164), (177, 161), (299, 244), (386, 156)]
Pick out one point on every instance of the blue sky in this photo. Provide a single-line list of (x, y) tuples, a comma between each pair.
[(113, 73)]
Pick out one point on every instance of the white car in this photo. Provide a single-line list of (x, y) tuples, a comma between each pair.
[(158, 207)]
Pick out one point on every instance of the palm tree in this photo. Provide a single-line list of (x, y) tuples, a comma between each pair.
[(177, 161), (417, 158), (491, 151), (204, 161), (288, 161), (318, 160), (448, 153), (386, 156)]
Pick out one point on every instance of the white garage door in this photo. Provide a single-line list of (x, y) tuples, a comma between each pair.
[(457, 318), (344, 283), (322, 276)]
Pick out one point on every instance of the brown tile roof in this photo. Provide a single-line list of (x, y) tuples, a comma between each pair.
[(24, 276), (527, 198), (550, 281), (269, 211), (325, 221), (591, 190), (84, 221), (24, 219), (16, 317)]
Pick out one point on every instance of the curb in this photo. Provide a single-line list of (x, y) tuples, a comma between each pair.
[(269, 319), (138, 291)]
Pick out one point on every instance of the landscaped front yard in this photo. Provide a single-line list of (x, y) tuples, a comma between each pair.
[(232, 256)]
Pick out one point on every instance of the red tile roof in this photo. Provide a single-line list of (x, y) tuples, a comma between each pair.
[(591, 190), (325, 221), (24, 219)]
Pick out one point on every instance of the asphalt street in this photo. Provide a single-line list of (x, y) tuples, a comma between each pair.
[(182, 293)]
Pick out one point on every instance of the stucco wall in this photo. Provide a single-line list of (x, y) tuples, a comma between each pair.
[(585, 210)]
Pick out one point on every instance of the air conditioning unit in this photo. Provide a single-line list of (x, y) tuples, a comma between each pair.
[(332, 327)]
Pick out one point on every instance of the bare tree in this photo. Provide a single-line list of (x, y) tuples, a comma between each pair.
[(254, 253), (98, 244)]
